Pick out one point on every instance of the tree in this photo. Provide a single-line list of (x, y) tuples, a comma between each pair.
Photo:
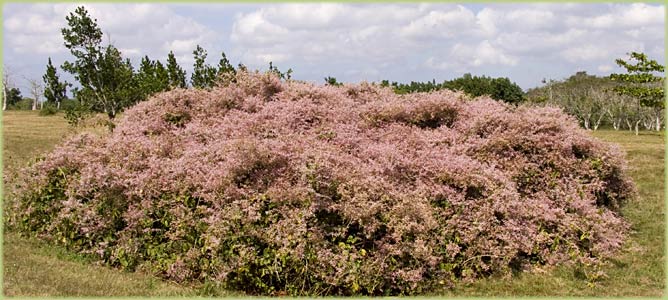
[(54, 90), (161, 76), (12, 96), (175, 74), (107, 83), (5, 87), (36, 91), (120, 76), (586, 97), (203, 75), (152, 77), (505, 90), (329, 80), (225, 70), (641, 83), (498, 88), (273, 69)]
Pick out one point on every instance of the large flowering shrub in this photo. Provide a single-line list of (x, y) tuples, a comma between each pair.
[(267, 186)]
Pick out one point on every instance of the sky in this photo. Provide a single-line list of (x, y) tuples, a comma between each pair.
[(353, 42)]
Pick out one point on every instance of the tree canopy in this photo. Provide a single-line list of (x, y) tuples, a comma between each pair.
[(640, 81), (175, 74), (498, 88), (54, 90), (204, 75), (106, 79)]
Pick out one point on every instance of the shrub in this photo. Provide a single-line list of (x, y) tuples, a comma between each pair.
[(69, 104), (277, 187), (76, 113), (48, 110), (23, 104)]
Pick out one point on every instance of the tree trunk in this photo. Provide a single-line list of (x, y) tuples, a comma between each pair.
[(658, 123), (58, 105), (34, 104), (637, 126), (647, 124), (615, 124), (598, 122), (4, 97)]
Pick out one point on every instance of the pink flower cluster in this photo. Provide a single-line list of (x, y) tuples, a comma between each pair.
[(269, 186)]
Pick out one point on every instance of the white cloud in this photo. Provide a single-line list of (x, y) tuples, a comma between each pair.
[(361, 41), (463, 57), (446, 36), (604, 68), (139, 29), (319, 32), (440, 23), (493, 19)]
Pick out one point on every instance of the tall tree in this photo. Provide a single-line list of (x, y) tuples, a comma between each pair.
[(175, 74), (152, 77), (203, 75), (36, 91), (120, 81), (106, 80), (161, 76), (224, 66), (55, 91), (642, 84), (226, 72)]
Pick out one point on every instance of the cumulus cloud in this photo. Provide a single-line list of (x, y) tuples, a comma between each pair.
[(136, 29), (462, 56), (440, 23), (367, 41), (449, 37)]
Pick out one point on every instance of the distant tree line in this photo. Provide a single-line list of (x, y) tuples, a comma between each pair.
[(631, 100), (501, 89), (497, 88)]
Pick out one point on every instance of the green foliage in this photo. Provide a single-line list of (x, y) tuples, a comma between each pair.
[(22, 104), (152, 77), (107, 83), (54, 90), (76, 112), (69, 104), (273, 69), (204, 75), (225, 70), (49, 109), (175, 74), (13, 97), (121, 81), (329, 80), (498, 88), (45, 203), (640, 81)]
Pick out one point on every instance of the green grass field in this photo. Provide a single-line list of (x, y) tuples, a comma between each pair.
[(33, 268)]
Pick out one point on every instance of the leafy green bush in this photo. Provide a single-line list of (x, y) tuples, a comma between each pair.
[(24, 104), (48, 110)]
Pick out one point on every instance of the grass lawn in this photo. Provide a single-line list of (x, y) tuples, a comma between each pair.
[(33, 268)]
